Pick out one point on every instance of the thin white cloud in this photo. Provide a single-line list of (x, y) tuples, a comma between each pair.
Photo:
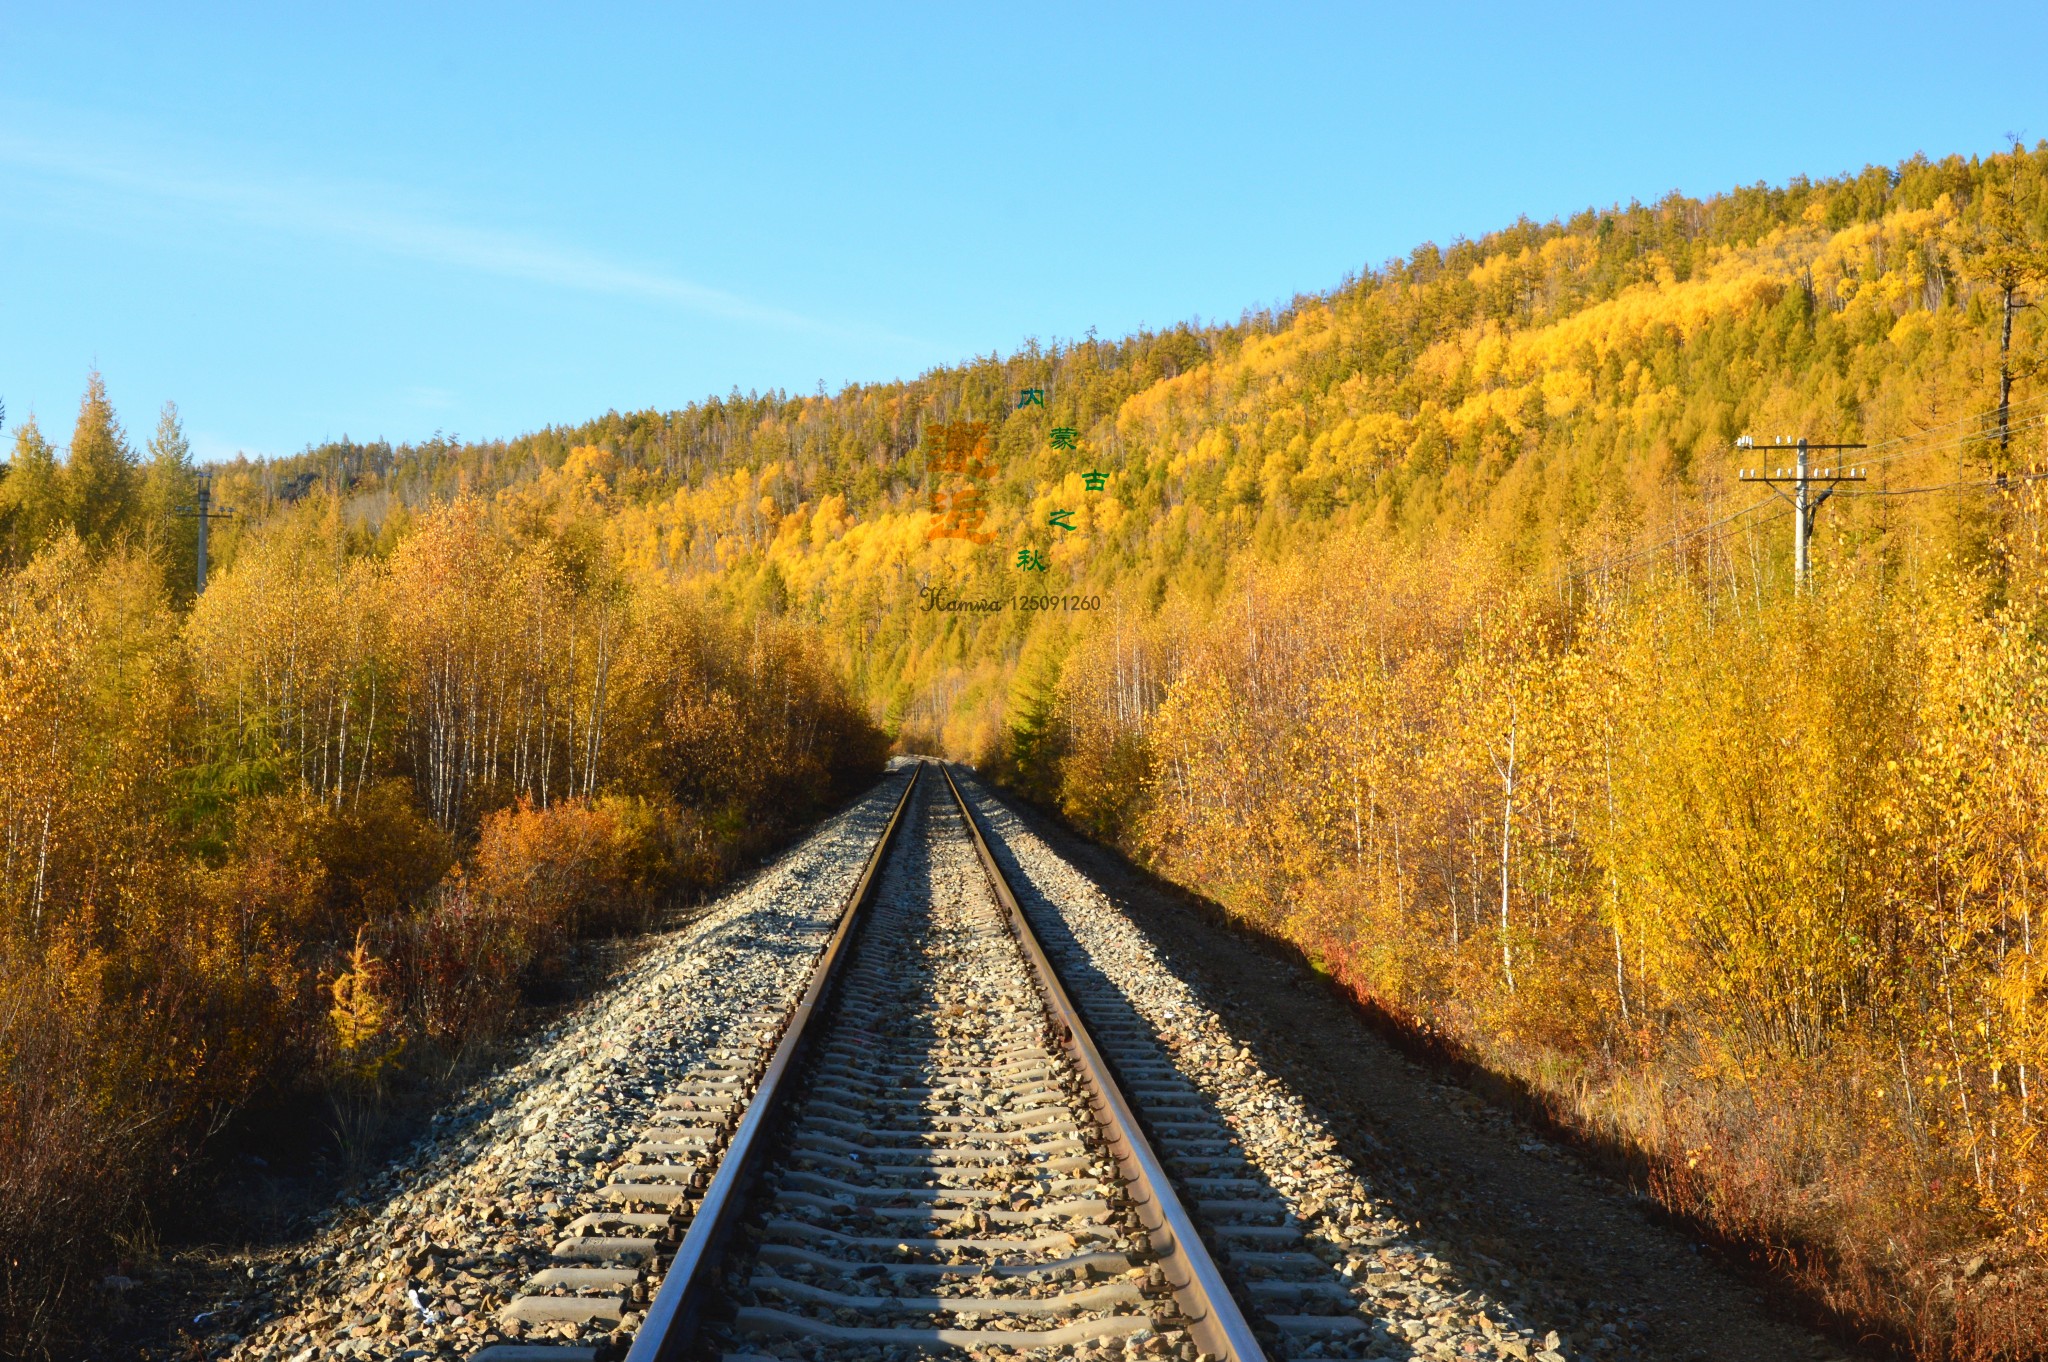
[(431, 399), (211, 447), (355, 215)]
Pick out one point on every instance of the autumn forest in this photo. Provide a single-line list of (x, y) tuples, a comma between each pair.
[(1426, 625)]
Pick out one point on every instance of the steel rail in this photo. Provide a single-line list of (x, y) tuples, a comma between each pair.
[(670, 1324), (1215, 1321)]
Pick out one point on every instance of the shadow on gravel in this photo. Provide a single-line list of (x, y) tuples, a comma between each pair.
[(1102, 1007), (1550, 1225), (280, 1170), (1105, 1007)]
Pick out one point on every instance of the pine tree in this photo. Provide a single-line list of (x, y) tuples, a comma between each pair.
[(99, 474), (169, 482), (31, 496)]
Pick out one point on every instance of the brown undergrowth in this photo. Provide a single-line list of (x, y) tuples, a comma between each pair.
[(1819, 1218), (331, 830)]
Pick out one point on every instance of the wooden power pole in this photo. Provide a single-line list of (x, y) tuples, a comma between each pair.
[(203, 511), (1802, 478)]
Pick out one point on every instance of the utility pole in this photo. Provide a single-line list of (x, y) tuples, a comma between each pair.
[(203, 512), (1805, 502)]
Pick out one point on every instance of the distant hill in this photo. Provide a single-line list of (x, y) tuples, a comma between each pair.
[(1548, 391)]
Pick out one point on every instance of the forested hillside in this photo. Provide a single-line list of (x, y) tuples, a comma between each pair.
[(1424, 623)]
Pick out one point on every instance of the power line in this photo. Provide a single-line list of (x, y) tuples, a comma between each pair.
[(1978, 485), (1949, 441), (1965, 419), (1955, 442), (1941, 438), (1672, 542)]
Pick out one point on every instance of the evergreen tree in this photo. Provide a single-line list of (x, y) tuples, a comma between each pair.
[(31, 495), (169, 482), (99, 474)]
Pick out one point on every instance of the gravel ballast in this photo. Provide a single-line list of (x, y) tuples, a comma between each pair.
[(422, 1262), (1418, 1303)]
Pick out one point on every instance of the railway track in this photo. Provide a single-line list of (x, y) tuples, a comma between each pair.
[(859, 1111), (929, 1156), (919, 1088)]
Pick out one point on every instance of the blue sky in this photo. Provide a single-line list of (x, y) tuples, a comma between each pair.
[(390, 220)]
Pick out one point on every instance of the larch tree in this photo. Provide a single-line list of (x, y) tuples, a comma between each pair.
[(99, 472), (2000, 249), (31, 495), (169, 482)]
